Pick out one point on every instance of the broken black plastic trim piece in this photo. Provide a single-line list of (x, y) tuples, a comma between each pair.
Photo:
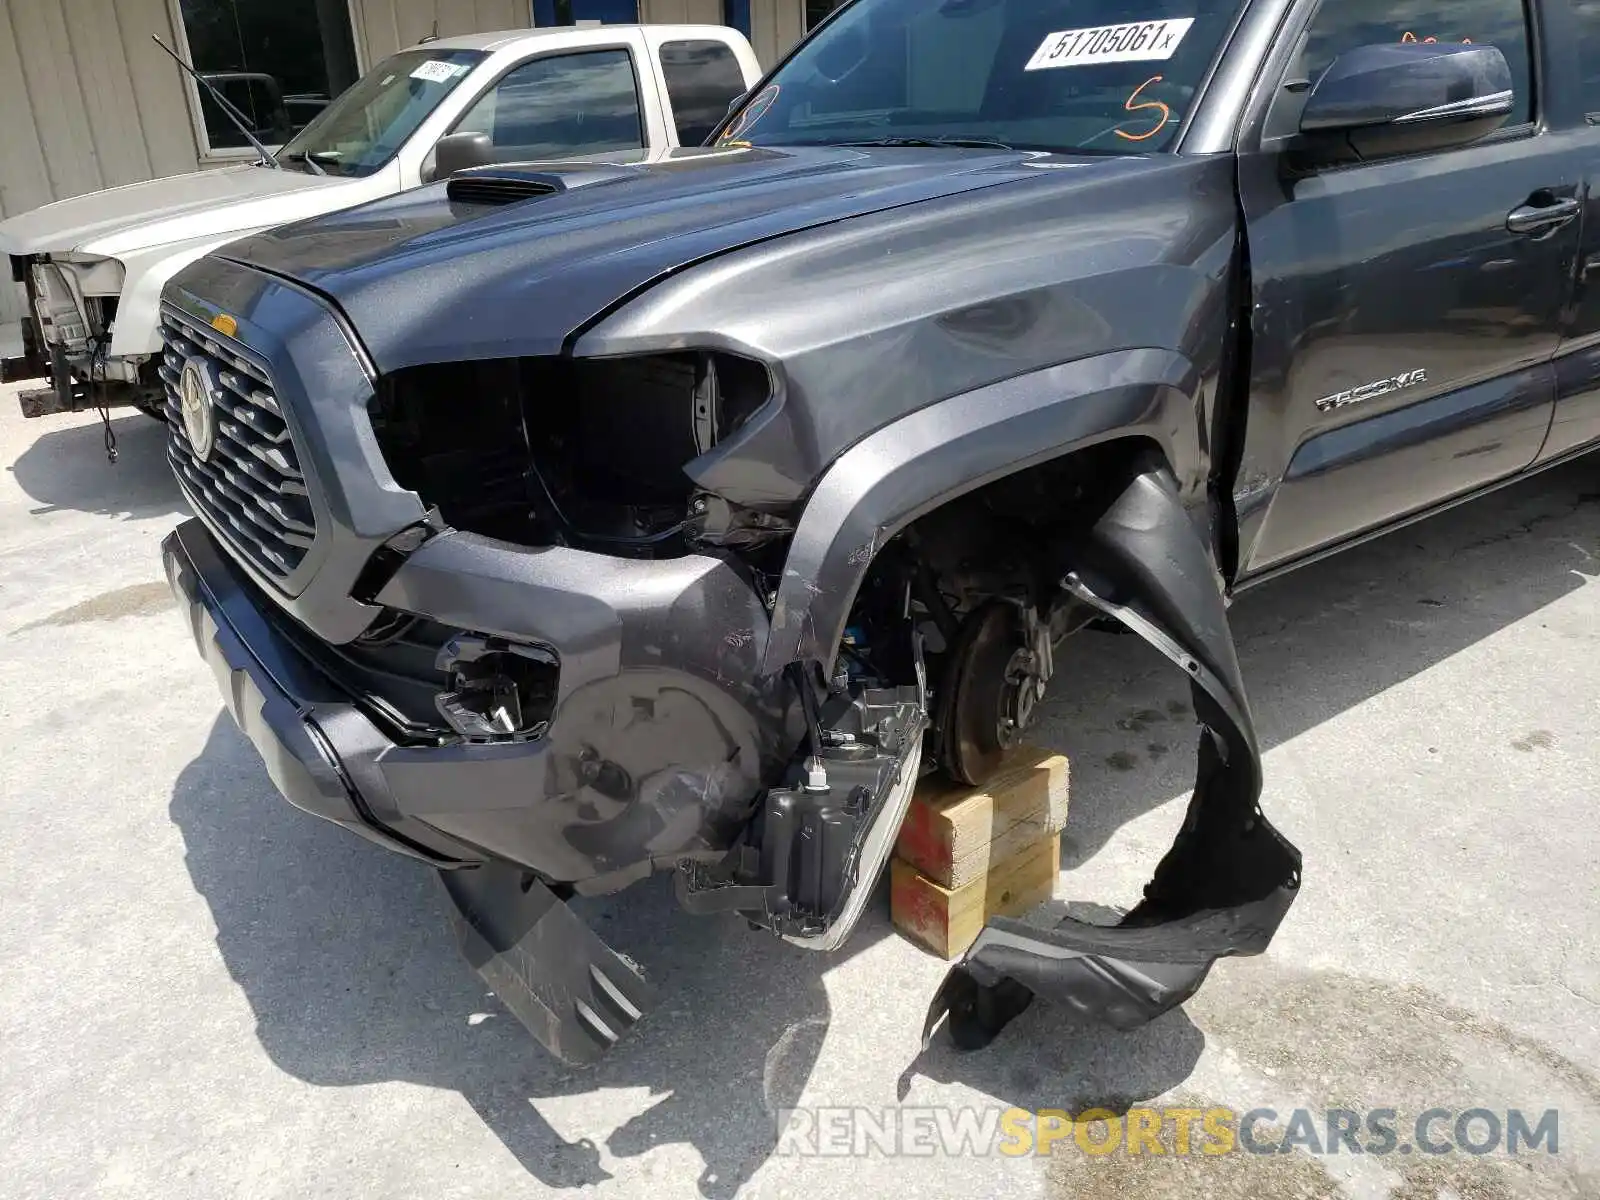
[(575, 995), (1229, 878)]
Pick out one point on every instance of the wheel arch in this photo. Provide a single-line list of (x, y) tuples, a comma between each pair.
[(940, 453)]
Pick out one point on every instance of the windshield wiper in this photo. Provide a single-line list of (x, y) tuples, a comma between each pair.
[(982, 143), (308, 157), (225, 105)]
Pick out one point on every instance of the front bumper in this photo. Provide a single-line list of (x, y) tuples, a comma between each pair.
[(655, 751), (320, 750), (330, 758)]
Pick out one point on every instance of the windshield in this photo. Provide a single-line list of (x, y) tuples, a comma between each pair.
[(362, 129), (1096, 76)]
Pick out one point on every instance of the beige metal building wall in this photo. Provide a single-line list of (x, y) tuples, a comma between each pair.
[(384, 26), (775, 25), (681, 12)]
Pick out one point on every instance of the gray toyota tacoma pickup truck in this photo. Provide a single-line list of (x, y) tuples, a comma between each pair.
[(563, 523)]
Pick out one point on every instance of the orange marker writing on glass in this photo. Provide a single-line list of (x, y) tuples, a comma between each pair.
[(1166, 113)]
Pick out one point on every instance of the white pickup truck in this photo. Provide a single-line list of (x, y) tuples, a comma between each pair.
[(92, 267)]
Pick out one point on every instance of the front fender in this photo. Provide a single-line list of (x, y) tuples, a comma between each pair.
[(938, 453), (146, 274)]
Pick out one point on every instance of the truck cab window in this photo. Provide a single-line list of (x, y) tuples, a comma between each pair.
[(702, 79), (1342, 25), (1587, 13), (560, 106)]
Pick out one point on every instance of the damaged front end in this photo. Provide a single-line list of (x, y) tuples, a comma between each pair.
[(71, 304), (535, 621)]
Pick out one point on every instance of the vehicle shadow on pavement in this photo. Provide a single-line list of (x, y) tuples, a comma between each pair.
[(66, 468), (344, 955)]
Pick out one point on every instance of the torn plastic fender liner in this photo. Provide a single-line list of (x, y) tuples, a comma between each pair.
[(1229, 878)]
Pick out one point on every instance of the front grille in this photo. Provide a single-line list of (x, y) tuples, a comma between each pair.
[(250, 489)]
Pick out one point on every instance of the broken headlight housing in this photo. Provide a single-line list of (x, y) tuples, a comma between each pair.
[(584, 452)]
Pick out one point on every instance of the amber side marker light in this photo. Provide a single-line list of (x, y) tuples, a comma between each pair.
[(225, 325)]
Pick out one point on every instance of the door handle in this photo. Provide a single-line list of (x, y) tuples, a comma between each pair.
[(1536, 218)]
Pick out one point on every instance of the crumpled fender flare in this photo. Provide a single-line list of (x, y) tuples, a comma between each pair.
[(1229, 878), (938, 453)]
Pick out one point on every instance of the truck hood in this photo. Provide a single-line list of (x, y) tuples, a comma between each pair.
[(122, 220), (424, 278)]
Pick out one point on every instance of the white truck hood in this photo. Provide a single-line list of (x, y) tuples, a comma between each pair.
[(180, 208)]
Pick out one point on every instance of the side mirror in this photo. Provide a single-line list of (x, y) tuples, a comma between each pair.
[(1405, 99), (461, 151)]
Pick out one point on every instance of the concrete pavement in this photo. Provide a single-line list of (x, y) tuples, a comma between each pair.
[(206, 993)]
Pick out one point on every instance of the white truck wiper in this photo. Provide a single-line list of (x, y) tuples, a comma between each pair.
[(307, 157), (228, 110)]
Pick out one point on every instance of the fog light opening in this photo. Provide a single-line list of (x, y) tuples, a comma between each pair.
[(500, 691)]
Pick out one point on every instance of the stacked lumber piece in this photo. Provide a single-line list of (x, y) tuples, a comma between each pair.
[(966, 854)]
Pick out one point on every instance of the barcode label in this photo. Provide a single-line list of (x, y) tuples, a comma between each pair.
[(1138, 41)]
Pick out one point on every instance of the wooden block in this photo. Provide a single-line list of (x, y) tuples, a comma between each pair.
[(952, 832), (947, 920)]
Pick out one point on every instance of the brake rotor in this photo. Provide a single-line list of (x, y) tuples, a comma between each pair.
[(991, 687)]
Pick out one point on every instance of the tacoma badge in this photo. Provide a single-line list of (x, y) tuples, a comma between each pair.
[(1367, 391)]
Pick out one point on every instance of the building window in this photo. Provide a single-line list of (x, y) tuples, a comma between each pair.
[(279, 62), (570, 12), (818, 10), (702, 80)]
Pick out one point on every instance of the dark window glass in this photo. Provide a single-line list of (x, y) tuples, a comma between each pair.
[(1588, 12), (1093, 76), (1342, 25), (817, 10), (702, 80), (279, 61), (560, 106)]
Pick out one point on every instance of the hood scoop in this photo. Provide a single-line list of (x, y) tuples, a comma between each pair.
[(511, 184)]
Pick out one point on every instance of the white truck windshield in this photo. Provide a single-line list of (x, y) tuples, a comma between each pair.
[(362, 129), (1095, 76)]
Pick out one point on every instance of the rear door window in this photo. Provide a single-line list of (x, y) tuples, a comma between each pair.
[(702, 78)]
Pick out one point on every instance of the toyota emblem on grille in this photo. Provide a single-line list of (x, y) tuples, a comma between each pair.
[(196, 386)]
